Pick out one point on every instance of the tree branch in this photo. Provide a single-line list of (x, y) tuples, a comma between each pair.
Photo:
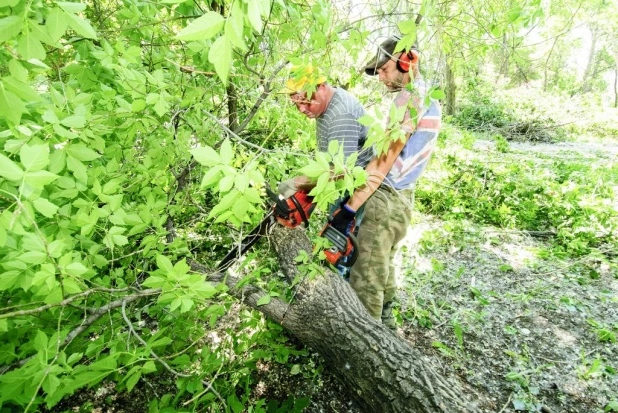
[(163, 363)]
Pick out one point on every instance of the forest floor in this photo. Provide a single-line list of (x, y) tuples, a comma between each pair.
[(525, 331), (532, 333)]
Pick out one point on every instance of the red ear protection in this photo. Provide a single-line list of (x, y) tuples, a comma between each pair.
[(405, 60)]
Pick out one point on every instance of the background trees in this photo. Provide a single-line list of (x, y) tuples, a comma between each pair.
[(136, 135)]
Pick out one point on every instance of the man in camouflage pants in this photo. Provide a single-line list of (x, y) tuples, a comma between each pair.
[(388, 196)]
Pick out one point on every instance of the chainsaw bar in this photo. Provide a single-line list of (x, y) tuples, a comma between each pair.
[(247, 242)]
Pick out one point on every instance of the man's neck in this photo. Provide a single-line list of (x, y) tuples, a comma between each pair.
[(330, 92)]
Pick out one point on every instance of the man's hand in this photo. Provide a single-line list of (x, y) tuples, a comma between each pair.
[(287, 188), (344, 219)]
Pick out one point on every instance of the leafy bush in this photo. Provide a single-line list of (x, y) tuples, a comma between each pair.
[(560, 201), (482, 114)]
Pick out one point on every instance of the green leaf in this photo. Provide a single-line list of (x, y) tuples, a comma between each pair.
[(120, 240), (38, 179), (233, 401), (241, 182), (10, 27), (40, 341), (206, 156), (18, 71), (29, 47), (226, 183), (21, 89), (50, 116), (9, 169), (71, 7), (234, 26), (75, 269), (161, 107), (240, 208), (81, 152), (34, 158), (164, 263), (132, 381), (437, 94), (149, 367), (45, 207), (263, 300), (255, 17), (226, 152), (202, 28), (11, 107), (40, 33), (407, 26), (81, 26), (313, 170), (74, 121), (3, 236), (225, 204), (78, 168), (56, 23), (220, 55), (8, 279), (211, 176), (253, 196), (138, 105)]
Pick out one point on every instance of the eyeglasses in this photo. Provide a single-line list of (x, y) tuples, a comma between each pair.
[(304, 102)]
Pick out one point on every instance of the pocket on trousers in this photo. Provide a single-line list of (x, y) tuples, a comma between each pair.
[(376, 207)]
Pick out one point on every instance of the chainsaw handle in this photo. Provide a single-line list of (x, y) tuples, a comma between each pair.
[(300, 210)]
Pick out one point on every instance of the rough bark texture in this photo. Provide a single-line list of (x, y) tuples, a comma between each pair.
[(451, 87), (379, 369)]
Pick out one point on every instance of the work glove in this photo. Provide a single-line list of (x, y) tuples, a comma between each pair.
[(343, 219), (287, 188)]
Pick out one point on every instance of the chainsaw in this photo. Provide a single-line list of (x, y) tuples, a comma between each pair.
[(291, 213)]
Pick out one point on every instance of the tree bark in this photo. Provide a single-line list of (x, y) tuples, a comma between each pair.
[(585, 81), (232, 106), (380, 370), (451, 87), (616, 79)]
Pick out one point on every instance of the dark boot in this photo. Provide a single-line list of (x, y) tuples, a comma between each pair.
[(388, 319)]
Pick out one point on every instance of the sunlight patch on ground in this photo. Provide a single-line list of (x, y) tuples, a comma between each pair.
[(517, 256), (565, 339)]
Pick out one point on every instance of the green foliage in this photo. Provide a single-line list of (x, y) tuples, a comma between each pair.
[(106, 135), (483, 113), (559, 200)]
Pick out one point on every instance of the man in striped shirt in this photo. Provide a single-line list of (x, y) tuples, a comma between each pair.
[(388, 196), (336, 113)]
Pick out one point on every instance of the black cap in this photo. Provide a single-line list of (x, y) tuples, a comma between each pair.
[(384, 54)]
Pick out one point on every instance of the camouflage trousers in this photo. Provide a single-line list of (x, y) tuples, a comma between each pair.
[(385, 223)]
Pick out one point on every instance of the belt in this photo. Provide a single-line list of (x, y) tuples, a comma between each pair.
[(392, 190), (405, 195)]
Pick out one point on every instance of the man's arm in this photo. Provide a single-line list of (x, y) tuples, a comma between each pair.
[(376, 169)]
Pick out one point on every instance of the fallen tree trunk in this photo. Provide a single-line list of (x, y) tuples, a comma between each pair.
[(381, 371)]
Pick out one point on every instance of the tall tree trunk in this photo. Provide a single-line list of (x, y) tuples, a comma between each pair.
[(232, 106), (586, 81), (380, 370), (505, 48), (616, 86), (451, 87), (616, 78)]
